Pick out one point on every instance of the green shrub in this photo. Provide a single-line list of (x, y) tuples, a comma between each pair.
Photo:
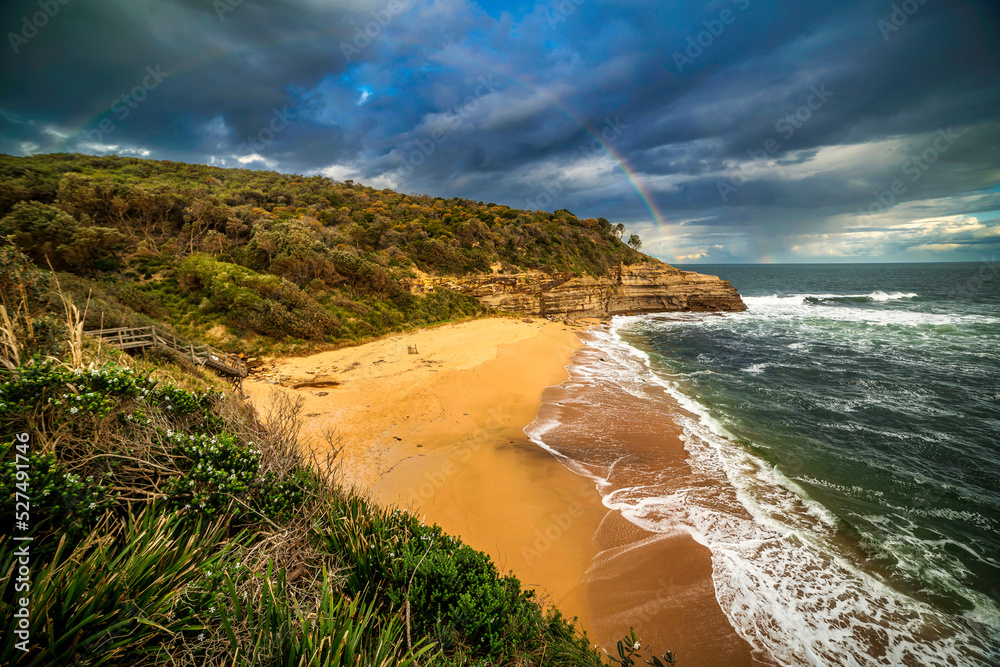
[(60, 503), (343, 632), (454, 593), (117, 598), (222, 475), (457, 595), (279, 497), (194, 459), (218, 470), (261, 303)]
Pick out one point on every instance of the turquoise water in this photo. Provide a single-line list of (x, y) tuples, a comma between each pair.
[(855, 411)]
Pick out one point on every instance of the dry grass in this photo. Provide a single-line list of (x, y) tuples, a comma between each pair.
[(73, 319), (10, 340), (17, 333)]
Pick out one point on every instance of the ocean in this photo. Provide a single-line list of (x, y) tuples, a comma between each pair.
[(842, 455)]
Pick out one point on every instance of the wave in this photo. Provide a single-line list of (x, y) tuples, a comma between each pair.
[(878, 296), (867, 309), (780, 572)]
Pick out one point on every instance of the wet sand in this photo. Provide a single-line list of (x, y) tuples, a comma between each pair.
[(659, 583), (440, 433)]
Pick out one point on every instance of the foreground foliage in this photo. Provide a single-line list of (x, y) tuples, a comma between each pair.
[(171, 525)]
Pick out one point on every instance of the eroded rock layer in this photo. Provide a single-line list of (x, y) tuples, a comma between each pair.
[(632, 290)]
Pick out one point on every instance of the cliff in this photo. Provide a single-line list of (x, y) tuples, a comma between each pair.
[(630, 290)]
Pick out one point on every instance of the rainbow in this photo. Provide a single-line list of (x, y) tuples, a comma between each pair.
[(621, 163)]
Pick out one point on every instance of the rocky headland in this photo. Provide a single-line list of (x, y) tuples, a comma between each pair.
[(629, 290)]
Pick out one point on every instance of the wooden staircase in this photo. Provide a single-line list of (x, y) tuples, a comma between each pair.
[(130, 338)]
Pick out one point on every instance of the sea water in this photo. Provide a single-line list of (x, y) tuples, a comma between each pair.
[(843, 439)]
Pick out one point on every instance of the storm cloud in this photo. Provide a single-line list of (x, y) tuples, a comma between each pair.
[(730, 130)]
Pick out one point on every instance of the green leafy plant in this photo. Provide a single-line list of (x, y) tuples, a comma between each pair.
[(447, 590), (63, 504), (273, 629), (117, 598), (219, 469), (630, 650)]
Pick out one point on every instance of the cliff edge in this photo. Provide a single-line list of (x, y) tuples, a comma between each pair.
[(630, 290)]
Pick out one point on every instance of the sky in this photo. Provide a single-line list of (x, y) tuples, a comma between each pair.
[(719, 131)]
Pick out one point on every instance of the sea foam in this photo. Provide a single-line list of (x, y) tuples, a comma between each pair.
[(780, 574)]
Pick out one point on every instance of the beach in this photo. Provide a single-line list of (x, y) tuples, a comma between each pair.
[(433, 421)]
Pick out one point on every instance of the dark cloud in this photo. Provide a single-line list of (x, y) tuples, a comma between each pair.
[(752, 126)]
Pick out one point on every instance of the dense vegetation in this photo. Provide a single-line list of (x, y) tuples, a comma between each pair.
[(260, 259), (171, 526)]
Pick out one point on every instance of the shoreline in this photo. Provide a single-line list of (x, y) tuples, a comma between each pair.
[(441, 433), (659, 583)]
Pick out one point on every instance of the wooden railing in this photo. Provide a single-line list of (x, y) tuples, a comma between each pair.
[(138, 337)]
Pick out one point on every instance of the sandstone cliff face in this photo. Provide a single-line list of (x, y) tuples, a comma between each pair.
[(632, 290)]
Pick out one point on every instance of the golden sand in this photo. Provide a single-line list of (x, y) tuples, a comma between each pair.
[(440, 432)]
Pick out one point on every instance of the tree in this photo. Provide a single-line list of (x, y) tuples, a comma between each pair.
[(40, 231), (93, 248), (618, 230), (293, 249), (635, 242), (47, 234)]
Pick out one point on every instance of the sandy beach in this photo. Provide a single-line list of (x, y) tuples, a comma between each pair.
[(440, 433)]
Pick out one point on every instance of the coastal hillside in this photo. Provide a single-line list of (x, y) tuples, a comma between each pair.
[(172, 523), (162, 521), (254, 260)]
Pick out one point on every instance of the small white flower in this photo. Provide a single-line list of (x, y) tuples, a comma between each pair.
[(637, 646), (201, 636)]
